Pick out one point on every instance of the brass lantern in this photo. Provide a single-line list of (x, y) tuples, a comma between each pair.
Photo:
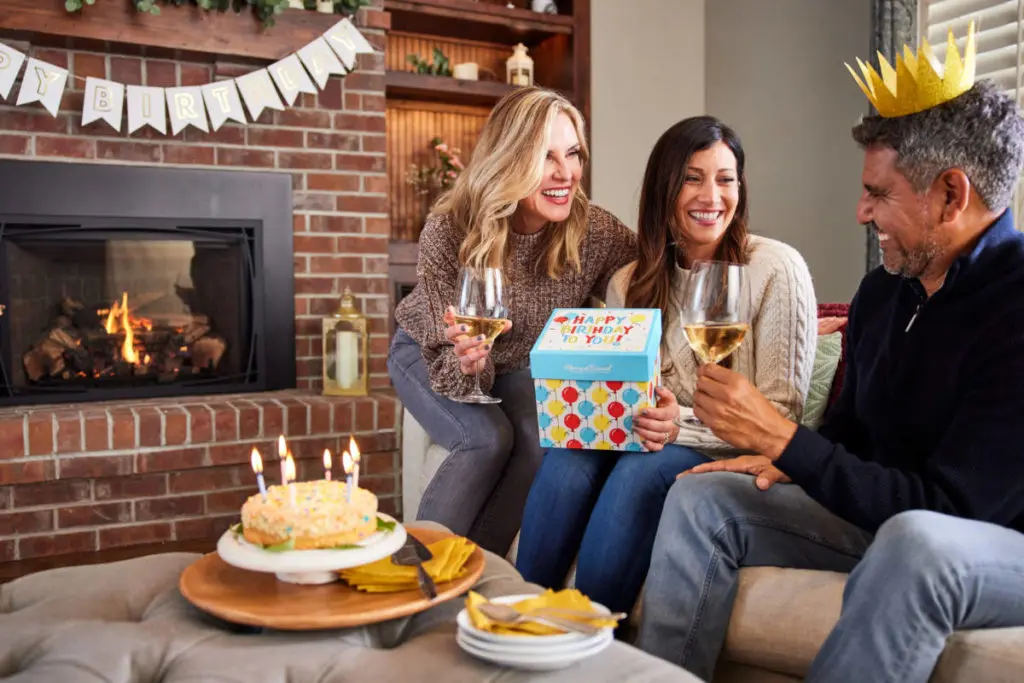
[(346, 350)]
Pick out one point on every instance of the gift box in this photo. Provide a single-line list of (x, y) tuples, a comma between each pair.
[(594, 370)]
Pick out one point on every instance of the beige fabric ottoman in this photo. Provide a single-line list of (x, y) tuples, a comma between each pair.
[(126, 622)]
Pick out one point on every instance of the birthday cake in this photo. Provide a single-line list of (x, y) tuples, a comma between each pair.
[(319, 515)]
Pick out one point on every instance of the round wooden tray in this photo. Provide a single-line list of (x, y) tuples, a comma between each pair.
[(260, 599)]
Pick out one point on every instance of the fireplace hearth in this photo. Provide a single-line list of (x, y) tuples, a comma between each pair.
[(121, 282)]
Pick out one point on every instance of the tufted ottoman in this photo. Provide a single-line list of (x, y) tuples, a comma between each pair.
[(126, 622)]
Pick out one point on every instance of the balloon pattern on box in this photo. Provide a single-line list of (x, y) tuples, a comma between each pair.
[(591, 414)]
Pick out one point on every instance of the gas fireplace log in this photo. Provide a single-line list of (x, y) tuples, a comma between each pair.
[(47, 357), (207, 352)]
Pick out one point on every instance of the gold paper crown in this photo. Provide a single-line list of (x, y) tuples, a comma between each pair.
[(915, 84)]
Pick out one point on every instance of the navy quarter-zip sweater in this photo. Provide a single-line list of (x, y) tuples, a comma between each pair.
[(931, 414)]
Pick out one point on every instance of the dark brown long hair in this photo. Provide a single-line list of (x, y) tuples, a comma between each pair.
[(658, 231)]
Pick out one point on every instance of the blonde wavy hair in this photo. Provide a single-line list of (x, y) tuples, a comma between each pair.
[(506, 167)]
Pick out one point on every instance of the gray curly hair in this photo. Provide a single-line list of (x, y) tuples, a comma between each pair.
[(981, 132)]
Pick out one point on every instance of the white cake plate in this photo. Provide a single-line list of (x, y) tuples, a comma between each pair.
[(310, 566)]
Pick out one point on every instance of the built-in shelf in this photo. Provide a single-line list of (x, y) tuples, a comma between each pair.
[(468, 20), (408, 85)]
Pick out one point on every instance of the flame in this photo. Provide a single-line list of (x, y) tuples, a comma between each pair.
[(257, 462), (346, 462), (327, 459), (289, 468), (120, 320), (128, 348), (354, 449), (282, 448)]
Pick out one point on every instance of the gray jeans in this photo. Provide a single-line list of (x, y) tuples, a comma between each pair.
[(712, 525), (480, 489)]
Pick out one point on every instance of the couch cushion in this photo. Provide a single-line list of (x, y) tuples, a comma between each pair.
[(826, 360), (782, 616)]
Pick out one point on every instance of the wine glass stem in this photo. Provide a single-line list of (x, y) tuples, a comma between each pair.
[(477, 376)]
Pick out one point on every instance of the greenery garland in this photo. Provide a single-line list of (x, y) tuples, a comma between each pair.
[(266, 10)]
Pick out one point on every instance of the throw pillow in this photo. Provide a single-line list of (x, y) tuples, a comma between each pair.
[(826, 360)]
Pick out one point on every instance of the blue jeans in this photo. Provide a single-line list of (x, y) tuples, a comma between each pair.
[(604, 506), (712, 525), (925, 576), (493, 450)]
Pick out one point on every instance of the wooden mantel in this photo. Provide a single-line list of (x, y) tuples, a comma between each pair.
[(185, 28)]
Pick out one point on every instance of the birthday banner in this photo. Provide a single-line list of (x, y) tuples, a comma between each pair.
[(206, 107)]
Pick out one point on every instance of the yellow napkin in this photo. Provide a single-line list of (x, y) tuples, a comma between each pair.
[(384, 576), (569, 598)]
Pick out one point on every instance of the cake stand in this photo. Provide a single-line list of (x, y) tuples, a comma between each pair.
[(310, 566)]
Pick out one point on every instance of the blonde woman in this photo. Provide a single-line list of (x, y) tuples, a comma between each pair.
[(518, 205)]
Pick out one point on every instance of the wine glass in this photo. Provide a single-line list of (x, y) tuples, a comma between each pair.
[(715, 312), (480, 306)]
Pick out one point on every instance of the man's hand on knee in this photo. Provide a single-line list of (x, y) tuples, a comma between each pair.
[(759, 466)]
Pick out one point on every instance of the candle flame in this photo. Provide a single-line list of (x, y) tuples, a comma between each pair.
[(347, 462), (282, 449), (257, 462), (327, 459), (354, 449), (289, 468)]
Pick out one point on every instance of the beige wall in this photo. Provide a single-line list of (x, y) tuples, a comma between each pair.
[(775, 73), (647, 66), (773, 69)]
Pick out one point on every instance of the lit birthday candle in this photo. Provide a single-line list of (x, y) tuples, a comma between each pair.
[(354, 450), (257, 467), (346, 462), (289, 473), (327, 464), (282, 451)]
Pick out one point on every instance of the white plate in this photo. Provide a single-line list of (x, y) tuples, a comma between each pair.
[(531, 661), (466, 624), (535, 645), (238, 552)]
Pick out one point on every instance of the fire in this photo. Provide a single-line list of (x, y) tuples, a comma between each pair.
[(120, 320)]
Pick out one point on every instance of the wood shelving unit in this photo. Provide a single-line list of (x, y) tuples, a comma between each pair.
[(481, 21), (421, 107), (406, 85)]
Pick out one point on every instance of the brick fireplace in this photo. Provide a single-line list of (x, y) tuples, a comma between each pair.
[(166, 473)]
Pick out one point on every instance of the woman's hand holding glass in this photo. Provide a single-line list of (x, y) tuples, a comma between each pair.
[(471, 351), (657, 425)]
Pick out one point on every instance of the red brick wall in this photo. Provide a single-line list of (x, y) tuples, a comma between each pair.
[(331, 143), (78, 478)]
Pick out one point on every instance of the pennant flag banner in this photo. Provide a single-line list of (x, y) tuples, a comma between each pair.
[(203, 107)]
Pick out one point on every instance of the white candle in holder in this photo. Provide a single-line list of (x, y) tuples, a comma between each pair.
[(346, 358)]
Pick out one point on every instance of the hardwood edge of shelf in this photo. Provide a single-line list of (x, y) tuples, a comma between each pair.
[(484, 12), (479, 22), (411, 85)]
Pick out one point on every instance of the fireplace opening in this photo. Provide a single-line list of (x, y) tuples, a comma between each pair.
[(143, 282), (96, 308), (127, 308)]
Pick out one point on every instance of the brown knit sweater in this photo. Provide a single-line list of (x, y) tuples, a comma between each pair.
[(530, 294)]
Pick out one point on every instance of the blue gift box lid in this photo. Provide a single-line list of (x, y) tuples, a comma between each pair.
[(618, 344)]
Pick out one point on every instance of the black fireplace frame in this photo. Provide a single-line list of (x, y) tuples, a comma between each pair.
[(112, 198)]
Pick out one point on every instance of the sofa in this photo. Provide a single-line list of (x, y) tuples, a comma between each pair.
[(126, 622), (781, 616)]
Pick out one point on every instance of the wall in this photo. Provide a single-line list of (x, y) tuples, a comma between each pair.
[(775, 73), (647, 72)]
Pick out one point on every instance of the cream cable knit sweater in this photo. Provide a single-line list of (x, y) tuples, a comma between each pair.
[(778, 357)]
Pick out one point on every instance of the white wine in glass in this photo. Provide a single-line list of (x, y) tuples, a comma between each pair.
[(480, 306), (715, 313)]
